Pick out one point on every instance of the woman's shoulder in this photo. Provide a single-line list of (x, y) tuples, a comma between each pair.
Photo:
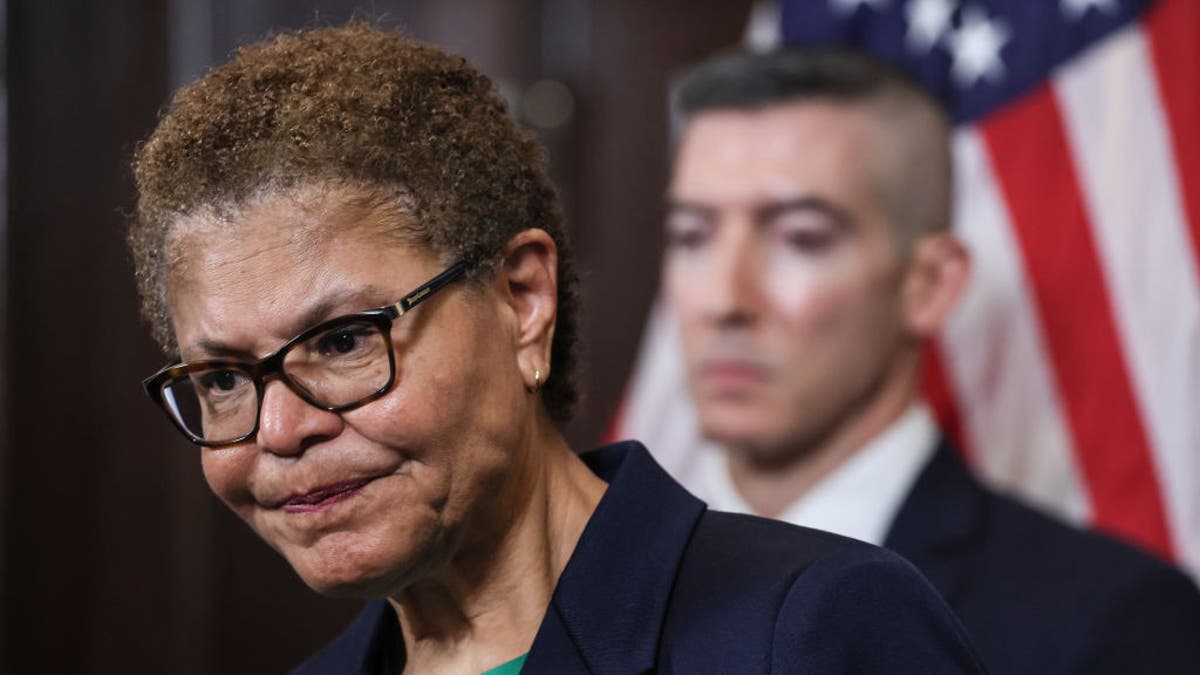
[(757, 534), (752, 557), (766, 595)]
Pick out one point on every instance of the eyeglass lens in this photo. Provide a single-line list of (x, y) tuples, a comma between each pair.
[(338, 367)]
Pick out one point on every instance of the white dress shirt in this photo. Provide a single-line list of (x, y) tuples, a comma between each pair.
[(860, 498)]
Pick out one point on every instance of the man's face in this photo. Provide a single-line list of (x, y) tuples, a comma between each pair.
[(785, 272)]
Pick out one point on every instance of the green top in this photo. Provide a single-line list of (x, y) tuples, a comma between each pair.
[(511, 668)]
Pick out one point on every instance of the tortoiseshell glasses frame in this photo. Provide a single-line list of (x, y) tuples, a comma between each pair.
[(332, 374)]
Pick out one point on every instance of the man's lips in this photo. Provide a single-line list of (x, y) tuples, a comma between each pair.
[(324, 496), (732, 373)]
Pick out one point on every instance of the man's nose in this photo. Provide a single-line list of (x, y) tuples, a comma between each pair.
[(731, 284), (287, 424)]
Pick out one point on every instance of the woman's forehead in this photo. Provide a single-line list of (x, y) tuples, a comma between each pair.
[(258, 272), (315, 210), (300, 222)]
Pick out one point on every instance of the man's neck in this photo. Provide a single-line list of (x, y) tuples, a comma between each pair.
[(769, 488)]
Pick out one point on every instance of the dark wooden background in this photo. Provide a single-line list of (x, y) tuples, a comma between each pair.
[(113, 556)]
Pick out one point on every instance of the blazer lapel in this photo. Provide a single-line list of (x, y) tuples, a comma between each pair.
[(608, 608), (554, 649)]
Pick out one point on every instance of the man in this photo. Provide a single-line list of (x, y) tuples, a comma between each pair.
[(809, 255)]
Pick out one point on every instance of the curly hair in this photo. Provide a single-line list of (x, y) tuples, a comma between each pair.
[(354, 105)]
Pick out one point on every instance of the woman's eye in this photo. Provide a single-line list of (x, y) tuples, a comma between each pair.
[(342, 341), (220, 380)]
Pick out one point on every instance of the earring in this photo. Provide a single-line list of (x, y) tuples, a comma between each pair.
[(537, 381)]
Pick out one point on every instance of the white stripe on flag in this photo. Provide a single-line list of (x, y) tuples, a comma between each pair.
[(995, 357), (1118, 134)]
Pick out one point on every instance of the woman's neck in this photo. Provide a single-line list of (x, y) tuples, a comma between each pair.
[(487, 606)]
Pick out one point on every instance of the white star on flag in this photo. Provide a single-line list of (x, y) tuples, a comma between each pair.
[(928, 20), (763, 32), (1073, 9), (976, 47), (846, 7)]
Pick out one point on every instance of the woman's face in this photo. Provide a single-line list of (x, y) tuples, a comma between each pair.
[(368, 501)]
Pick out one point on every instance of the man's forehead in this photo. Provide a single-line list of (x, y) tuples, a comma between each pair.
[(798, 117), (774, 152)]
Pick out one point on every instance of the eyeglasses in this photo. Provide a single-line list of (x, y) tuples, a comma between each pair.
[(336, 365)]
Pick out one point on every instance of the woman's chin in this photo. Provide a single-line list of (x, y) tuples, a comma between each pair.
[(367, 558), (348, 574), (345, 582), (348, 588)]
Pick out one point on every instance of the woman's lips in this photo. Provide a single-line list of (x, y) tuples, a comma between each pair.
[(325, 496)]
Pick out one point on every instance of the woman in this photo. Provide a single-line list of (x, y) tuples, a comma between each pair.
[(361, 264)]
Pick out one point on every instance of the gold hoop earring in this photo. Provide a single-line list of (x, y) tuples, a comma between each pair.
[(537, 381)]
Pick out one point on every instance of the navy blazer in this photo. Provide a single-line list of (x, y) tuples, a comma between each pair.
[(657, 583), (1038, 596)]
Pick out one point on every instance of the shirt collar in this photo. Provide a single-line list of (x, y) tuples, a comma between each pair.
[(861, 497)]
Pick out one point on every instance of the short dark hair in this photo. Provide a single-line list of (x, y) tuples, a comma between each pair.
[(755, 80), (354, 105), (748, 80)]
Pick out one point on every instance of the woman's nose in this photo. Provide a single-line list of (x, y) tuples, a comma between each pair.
[(287, 424)]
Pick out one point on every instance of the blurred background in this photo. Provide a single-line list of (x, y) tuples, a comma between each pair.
[(116, 558)]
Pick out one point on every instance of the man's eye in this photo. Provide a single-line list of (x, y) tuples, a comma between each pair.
[(691, 238), (686, 230), (684, 239), (686, 233), (808, 240)]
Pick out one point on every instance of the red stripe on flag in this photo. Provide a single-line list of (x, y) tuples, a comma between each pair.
[(1173, 29), (936, 388), (1032, 161)]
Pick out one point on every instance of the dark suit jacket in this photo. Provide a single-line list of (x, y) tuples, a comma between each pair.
[(659, 584), (1038, 596)]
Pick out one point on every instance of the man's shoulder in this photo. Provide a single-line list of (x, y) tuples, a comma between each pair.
[(1047, 552), (950, 518), (1032, 589)]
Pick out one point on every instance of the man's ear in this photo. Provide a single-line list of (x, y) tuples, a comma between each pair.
[(528, 279), (937, 275)]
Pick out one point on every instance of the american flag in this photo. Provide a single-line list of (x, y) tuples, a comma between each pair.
[(1070, 372)]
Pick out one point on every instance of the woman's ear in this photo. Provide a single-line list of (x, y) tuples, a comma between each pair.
[(528, 277), (937, 274)]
